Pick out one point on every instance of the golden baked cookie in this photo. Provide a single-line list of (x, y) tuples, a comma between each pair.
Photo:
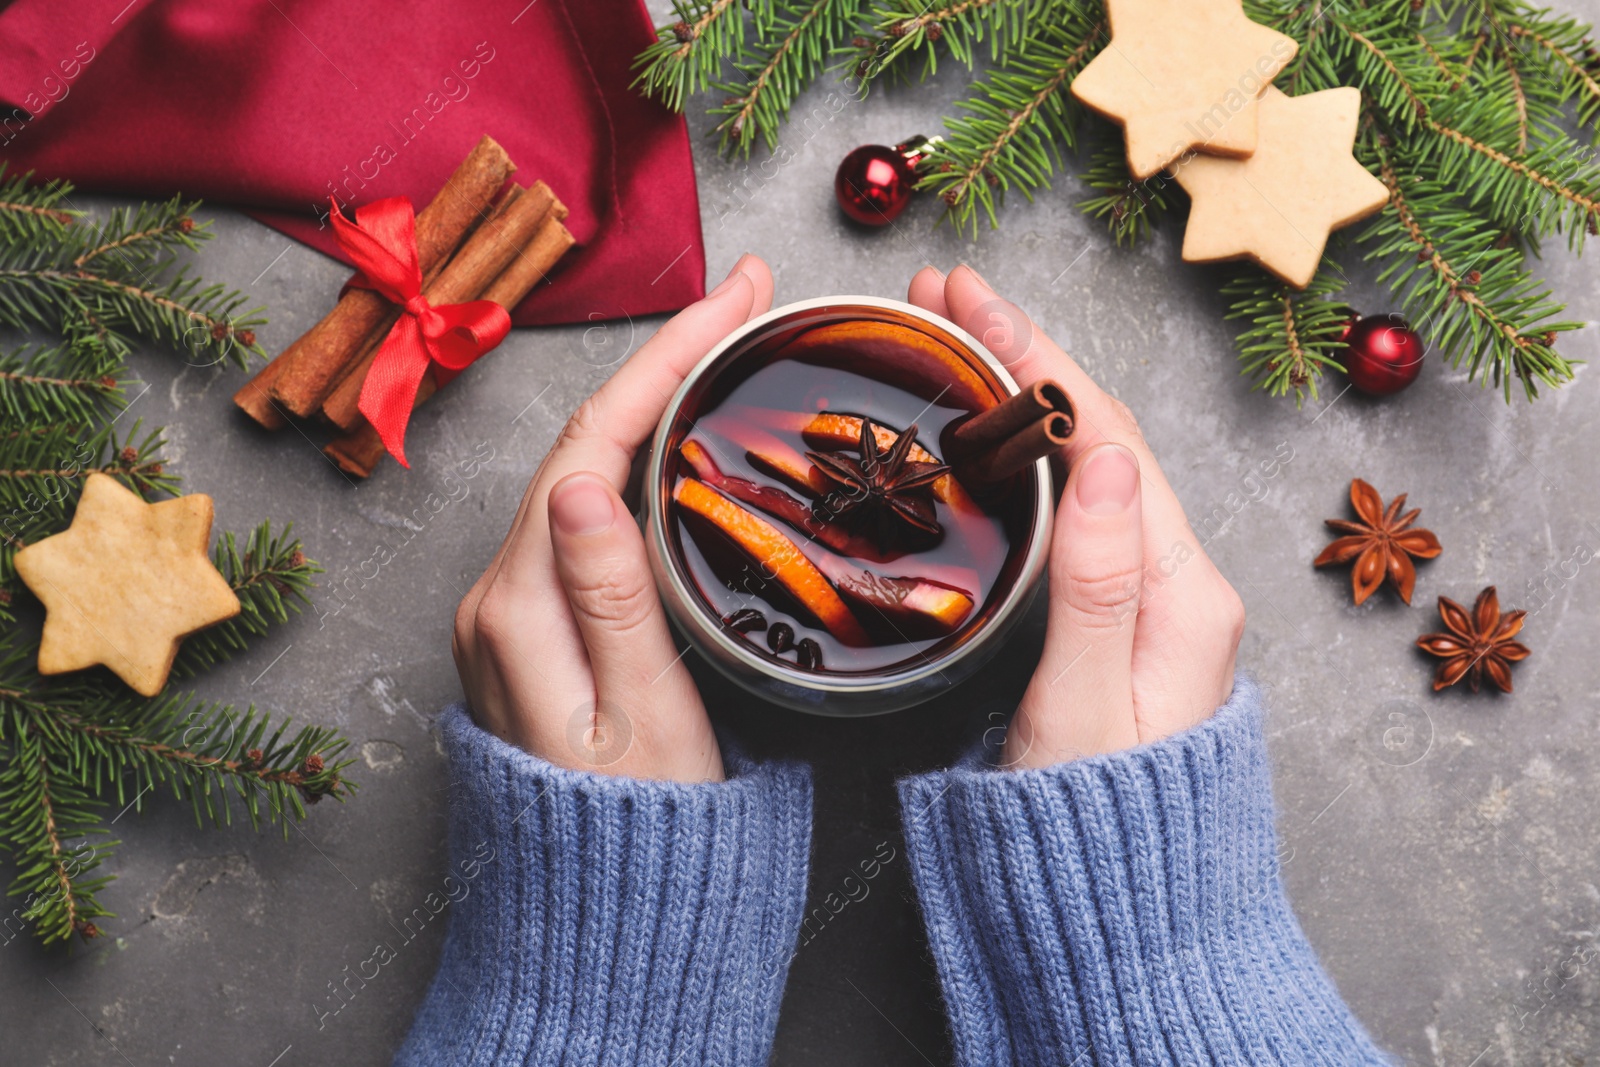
[(1278, 207), (1180, 75), (125, 583)]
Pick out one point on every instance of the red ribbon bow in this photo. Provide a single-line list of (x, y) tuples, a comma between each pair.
[(383, 243)]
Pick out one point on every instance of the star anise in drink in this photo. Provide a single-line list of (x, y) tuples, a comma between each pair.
[(888, 489), (1383, 543), (1477, 645)]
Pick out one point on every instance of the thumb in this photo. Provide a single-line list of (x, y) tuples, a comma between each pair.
[(645, 706), (1080, 701)]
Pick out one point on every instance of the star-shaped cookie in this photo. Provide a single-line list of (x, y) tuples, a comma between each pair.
[(125, 583), (1182, 74), (1278, 206)]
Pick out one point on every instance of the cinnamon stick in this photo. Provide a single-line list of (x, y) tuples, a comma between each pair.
[(1032, 442), (359, 451), (486, 254), (985, 431), (254, 398), (301, 376)]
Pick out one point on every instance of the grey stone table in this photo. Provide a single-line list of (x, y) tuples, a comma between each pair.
[(1440, 850)]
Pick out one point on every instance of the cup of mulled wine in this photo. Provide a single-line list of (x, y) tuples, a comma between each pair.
[(822, 524)]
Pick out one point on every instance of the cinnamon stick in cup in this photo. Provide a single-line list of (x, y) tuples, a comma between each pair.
[(301, 376), (1032, 442), (486, 254), (986, 430), (359, 451)]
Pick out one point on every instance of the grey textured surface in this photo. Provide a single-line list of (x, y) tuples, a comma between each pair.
[(1440, 850)]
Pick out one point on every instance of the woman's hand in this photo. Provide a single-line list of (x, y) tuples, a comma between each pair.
[(1143, 629), (562, 645)]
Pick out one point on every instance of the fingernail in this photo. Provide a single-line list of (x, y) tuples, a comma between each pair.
[(936, 270), (581, 506), (1108, 481), (978, 276), (728, 282)]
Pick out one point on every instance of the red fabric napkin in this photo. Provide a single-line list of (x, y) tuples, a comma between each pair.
[(272, 105)]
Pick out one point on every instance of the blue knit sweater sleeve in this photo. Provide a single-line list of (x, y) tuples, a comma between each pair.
[(1123, 909), (605, 920)]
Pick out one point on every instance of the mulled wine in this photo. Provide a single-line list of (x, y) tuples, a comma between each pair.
[(846, 496)]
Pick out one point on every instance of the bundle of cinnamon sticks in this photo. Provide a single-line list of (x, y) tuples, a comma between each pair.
[(479, 239)]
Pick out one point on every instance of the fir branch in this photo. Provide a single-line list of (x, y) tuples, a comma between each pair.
[(1472, 56), (42, 809), (1475, 300), (28, 211), (1517, 191), (1131, 208), (69, 742), (1454, 77), (176, 310), (33, 469), (959, 25), (1560, 43), (790, 52), (1521, 98), (1291, 335), (159, 232), (688, 53), (72, 382), (123, 278), (1008, 137), (118, 740), (272, 578)]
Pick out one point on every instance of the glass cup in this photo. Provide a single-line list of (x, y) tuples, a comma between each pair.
[(880, 676)]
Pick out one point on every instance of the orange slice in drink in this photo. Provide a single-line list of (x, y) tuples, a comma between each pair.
[(896, 355), (780, 505), (770, 549), (770, 455), (916, 607)]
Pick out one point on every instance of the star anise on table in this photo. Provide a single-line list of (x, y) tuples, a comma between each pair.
[(1383, 543), (1477, 645), (887, 487)]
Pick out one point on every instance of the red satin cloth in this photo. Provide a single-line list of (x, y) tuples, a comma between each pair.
[(273, 105), (383, 243)]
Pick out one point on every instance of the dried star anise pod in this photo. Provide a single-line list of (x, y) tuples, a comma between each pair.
[(1478, 644), (886, 486), (1382, 543)]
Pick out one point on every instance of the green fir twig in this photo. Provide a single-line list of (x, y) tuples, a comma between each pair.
[(789, 52), (1014, 126), (123, 278)]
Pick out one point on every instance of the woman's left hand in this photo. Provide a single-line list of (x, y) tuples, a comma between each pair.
[(1143, 628)]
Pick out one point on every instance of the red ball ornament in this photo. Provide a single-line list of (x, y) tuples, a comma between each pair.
[(1383, 354), (874, 183)]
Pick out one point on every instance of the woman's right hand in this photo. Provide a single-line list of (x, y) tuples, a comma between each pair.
[(562, 645), (1142, 629)]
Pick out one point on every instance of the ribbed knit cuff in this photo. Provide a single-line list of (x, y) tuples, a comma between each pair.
[(1123, 909), (607, 920)]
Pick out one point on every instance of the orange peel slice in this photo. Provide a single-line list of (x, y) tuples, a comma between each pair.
[(770, 548), (896, 355)]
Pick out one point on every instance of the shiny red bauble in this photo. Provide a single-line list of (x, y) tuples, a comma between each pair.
[(1383, 354), (874, 183)]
